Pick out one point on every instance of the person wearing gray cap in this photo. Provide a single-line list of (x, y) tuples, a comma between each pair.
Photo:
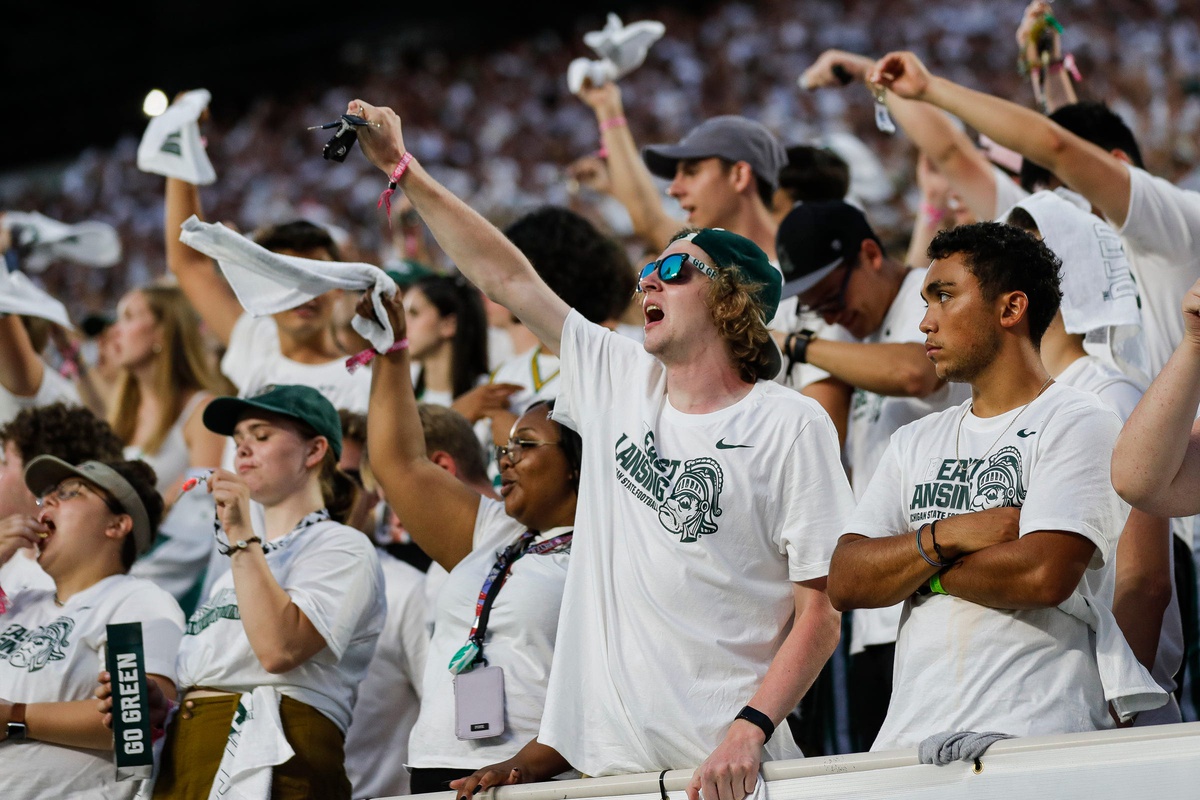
[(97, 518), (723, 173), (697, 467)]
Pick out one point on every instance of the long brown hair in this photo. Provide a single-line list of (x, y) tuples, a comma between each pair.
[(182, 368), (739, 319)]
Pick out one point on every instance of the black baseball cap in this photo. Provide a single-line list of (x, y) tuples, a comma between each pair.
[(729, 137), (815, 238), (302, 403)]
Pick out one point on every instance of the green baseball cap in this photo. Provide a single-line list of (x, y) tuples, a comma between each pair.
[(728, 250), (302, 403), (406, 272)]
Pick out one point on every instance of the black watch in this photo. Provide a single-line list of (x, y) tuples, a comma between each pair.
[(797, 345), (757, 718), (17, 731)]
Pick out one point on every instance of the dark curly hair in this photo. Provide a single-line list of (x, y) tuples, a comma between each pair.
[(1005, 258), (72, 433), (1090, 120), (141, 477), (584, 267)]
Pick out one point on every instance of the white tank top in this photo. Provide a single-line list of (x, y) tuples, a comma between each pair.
[(172, 458)]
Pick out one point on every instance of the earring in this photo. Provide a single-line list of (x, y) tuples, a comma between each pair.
[(156, 348)]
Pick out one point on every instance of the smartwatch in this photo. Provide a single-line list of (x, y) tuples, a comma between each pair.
[(17, 732)]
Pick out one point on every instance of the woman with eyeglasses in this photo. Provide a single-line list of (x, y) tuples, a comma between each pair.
[(497, 613), (95, 520), (274, 656)]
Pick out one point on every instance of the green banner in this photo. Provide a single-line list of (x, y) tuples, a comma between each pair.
[(126, 664)]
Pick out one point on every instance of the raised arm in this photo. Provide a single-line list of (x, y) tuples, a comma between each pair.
[(1036, 35), (204, 287), (437, 509), (948, 148), (21, 368), (629, 179), (480, 250), (1156, 463), (893, 369), (1099, 176)]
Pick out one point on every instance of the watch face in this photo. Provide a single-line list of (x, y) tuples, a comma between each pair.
[(16, 731)]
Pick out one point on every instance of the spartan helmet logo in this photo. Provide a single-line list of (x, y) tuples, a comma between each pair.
[(44, 645), (998, 485), (693, 506)]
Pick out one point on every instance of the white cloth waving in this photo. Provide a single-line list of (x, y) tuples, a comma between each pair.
[(171, 145), (42, 241), (19, 295), (622, 49), (267, 283)]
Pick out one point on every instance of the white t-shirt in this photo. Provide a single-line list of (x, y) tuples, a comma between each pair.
[(51, 654), (54, 388), (253, 361), (1161, 235), (1121, 394), (520, 639), (873, 420), (962, 666), (691, 530), (332, 573), (390, 696)]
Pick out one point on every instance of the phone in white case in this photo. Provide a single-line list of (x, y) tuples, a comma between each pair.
[(479, 703)]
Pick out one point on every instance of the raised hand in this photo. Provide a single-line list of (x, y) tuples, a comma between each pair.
[(382, 139), (232, 497), (484, 401), (17, 531), (824, 72), (395, 312), (903, 73)]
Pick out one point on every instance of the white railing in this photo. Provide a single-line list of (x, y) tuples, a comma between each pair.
[(1161, 763)]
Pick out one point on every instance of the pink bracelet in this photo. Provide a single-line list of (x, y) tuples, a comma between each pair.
[(932, 213), (3, 601), (366, 356), (385, 199), (609, 124), (1068, 63)]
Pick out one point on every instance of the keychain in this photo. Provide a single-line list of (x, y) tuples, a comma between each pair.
[(883, 120), (337, 148)]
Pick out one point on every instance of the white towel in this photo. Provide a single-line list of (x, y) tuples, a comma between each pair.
[(267, 283), (42, 240), (1127, 684), (1097, 284), (622, 49), (256, 744), (18, 295), (172, 146)]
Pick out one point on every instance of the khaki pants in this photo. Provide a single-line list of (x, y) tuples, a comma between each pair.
[(196, 741)]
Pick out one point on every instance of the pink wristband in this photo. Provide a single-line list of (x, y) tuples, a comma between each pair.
[(366, 356), (385, 199), (614, 122), (3, 601), (932, 213), (1067, 63)]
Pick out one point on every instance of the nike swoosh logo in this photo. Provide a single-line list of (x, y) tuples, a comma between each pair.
[(1024, 434), (722, 446)]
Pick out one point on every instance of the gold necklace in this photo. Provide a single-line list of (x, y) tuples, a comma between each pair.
[(971, 405)]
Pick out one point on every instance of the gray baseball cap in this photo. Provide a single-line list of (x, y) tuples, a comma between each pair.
[(729, 137), (45, 472)]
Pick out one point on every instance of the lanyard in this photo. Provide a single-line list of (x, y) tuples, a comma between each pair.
[(471, 653)]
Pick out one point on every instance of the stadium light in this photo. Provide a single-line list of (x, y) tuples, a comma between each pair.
[(155, 103)]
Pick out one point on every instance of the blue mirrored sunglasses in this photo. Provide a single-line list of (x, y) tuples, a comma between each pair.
[(670, 267)]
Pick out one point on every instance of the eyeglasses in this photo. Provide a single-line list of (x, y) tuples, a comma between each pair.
[(515, 449), (72, 488), (670, 266), (834, 304)]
